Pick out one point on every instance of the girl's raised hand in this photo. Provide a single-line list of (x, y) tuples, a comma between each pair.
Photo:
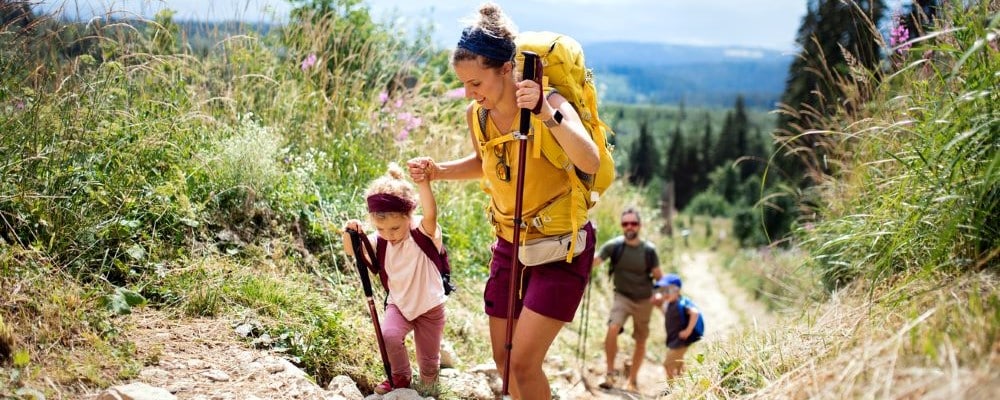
[(421, 169)]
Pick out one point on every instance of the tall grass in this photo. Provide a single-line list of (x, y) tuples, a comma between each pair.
[(904, 237), (917, 182), (130, 160)]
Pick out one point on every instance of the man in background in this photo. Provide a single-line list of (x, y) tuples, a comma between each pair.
[(633, 267)]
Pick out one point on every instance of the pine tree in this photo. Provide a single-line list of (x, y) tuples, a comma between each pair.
[(685, 179), (706, 163), (741, 130), (835, 36), (674, 150), (725, 149), (644, 157)]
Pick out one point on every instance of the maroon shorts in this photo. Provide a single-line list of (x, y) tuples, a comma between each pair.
[(553, 290)]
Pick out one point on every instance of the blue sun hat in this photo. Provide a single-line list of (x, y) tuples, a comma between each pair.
[(668, 279)]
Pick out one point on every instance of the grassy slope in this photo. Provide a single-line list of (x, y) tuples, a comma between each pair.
[(896, 292)]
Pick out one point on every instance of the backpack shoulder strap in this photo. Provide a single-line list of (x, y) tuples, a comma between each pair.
[(616, 255), (482, 115), (380, 246), (427, 246), (439, 257), (650, 257)]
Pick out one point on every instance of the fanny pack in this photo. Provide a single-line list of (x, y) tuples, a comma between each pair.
[(551, 248)]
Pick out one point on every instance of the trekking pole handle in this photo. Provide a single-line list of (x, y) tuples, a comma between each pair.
[(366, 282), (530, 61)]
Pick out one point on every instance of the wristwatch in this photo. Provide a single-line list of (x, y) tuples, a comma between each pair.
[(555, 120)]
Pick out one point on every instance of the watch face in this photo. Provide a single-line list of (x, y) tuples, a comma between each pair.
[(555, 120)]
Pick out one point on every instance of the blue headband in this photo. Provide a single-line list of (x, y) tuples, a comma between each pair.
[(482, 43)]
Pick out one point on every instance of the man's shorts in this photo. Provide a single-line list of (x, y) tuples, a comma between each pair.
[(553, 290), (639, 310)]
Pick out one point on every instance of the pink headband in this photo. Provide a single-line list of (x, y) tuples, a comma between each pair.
[(384, 202)]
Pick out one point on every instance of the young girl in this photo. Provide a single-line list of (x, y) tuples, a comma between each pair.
[(416, 293)]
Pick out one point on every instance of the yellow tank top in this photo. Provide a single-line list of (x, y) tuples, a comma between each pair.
[(547, 196)]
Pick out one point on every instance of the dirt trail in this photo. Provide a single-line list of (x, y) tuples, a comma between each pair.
[(726, 307), (203, 358)]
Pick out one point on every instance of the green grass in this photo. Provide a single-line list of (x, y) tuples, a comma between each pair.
[(208, 183), (919, 192), (888, 291)]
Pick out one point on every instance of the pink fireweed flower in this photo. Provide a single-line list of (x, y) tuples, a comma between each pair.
[(455, 93), (410, 122), (899, 36), (309, 62), (383, 97)]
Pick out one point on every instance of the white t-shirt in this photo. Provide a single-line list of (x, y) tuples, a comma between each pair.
[(415, 284)]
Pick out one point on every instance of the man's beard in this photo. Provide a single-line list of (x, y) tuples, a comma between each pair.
[(631, 235)]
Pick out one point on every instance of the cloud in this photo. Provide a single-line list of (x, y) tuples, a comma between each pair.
[(743, 53), (755, 23)]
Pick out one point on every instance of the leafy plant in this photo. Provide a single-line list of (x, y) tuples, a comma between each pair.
[(121, 301)]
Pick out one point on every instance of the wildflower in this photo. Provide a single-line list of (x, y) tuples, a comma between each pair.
[(455, 93), (410, 122), (19, 105), (309, 62), (899, 36), (383, 97)]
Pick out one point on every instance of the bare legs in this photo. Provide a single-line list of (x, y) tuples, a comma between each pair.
[(674, 363), (533, 334), (611, 346), (611, 352)]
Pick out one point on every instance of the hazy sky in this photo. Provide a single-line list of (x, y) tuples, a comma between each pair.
[(757, 23)]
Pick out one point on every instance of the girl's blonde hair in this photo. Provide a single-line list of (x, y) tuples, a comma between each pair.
[(394, 183)]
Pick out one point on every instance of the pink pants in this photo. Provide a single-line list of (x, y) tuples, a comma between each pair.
[(427, 329)]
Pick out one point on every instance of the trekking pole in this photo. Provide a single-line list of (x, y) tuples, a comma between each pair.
[(366, 284), (530, 58), (583, 350)]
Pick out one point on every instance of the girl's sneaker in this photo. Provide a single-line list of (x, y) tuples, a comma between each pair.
[(398, 382)]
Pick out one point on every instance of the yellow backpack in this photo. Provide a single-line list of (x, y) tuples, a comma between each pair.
[(564, 70)]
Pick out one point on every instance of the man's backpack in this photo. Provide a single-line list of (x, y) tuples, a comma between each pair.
[(616, 255), (426, 244), (564, 70)]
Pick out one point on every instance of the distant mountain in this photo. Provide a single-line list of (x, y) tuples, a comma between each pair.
[(636, 72)]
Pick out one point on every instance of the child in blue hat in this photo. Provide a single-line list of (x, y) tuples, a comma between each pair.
[(683, 322)]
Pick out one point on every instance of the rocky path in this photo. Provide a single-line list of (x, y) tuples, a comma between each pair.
[(203, 359)]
